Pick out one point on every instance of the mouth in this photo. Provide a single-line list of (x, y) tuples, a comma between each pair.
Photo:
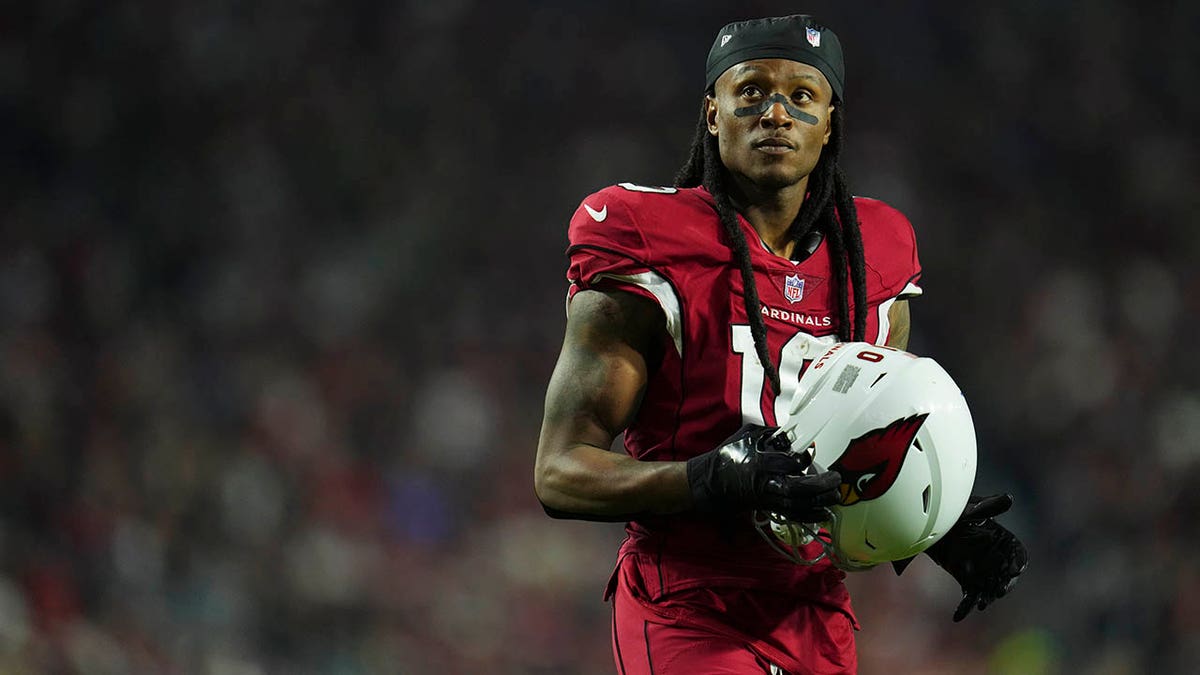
[(774, 145)]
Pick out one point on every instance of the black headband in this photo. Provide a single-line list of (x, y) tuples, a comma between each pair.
[(797, 38)]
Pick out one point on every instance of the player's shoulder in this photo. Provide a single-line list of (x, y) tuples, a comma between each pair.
[(878, 219), (635, 198), (890, 246), (872, 211), (632, 214)]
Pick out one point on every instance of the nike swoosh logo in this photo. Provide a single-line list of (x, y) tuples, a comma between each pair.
[(597, 216)]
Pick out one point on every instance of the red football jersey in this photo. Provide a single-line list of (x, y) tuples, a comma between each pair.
[(669, 245)]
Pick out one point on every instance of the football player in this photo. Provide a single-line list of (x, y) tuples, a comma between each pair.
[(693, 310)]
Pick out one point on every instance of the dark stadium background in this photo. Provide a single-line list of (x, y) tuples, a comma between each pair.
[(281, 285)]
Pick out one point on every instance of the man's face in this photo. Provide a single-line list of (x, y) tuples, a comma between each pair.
[(772, 143)]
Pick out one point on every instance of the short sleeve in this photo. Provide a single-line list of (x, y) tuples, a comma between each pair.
[(608, 251), (605, 240), (890, 248)]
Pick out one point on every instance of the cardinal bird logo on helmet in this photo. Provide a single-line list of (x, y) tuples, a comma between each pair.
[(871, 462)]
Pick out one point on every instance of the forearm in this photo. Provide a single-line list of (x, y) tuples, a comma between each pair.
[(585, 480)]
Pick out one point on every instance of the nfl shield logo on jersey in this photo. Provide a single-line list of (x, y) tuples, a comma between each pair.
[(793, 288)]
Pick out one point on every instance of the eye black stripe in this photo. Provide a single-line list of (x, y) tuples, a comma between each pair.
[(762, 106)]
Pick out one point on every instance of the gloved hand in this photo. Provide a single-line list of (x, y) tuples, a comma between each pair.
[(981, 554), (752, 470)]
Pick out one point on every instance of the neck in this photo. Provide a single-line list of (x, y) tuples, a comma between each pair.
[(770, 212)]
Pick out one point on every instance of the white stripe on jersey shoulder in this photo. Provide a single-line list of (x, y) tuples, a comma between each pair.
[(662, 291), (885, 323), (567, 300)]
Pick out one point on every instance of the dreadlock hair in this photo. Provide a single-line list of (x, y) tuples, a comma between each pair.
[(828, 206)]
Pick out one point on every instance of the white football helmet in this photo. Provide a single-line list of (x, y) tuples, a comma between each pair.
[(898, 430)]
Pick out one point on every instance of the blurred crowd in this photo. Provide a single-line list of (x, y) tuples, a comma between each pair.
[(281, 286)]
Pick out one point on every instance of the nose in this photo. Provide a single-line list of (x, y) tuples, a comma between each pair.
[(776, 115)]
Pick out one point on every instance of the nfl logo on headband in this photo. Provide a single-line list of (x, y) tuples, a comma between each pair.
[(814, 37)]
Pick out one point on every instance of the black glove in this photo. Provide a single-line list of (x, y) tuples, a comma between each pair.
[(752, 470), (981, 554)]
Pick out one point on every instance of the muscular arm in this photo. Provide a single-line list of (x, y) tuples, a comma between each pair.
[(901, 322), (593, 394)]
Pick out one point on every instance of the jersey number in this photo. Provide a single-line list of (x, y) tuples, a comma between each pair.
[(797, 352)]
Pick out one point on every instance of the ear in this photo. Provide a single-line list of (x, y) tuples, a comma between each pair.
[(710, 113), (828, 126)]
